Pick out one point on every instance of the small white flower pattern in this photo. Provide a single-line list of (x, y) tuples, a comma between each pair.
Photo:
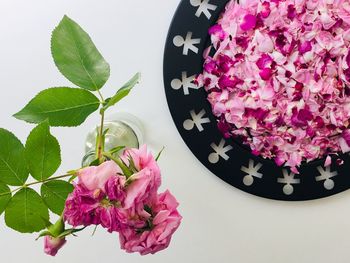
[(288, 180), (204, 7), (186, 83), (325, 175), (196, 120), (219, 151), (188, 43), (252, 172)]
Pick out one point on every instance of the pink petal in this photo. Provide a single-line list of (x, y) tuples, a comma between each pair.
[(249, 22), (346, 136), (266, 10), (264, 61), (328, 161), (265, 74), (305, 47)]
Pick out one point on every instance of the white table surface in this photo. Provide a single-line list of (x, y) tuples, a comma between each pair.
[(221, 224)]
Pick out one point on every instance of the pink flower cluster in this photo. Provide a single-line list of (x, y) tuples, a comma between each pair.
[(129, 205), (279, 77)]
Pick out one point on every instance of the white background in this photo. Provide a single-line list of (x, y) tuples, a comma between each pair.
[(221, 223)]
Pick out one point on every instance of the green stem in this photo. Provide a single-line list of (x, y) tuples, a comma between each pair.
[(48, 179), (93, 232), (37, 182), (100, 138), (15, 190), (100, 94)]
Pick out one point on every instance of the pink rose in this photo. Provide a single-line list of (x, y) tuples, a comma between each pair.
[(81, 206), (142, 189), (112, 217), (52, 245), (165, 222), (84, 207), (95, 177), (135, 217), (142, 158), (145, 183), (115, 188)]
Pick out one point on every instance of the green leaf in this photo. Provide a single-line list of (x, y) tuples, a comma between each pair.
[(73, 177), (13, 168), (71, 232), (54, 194), (95, 162), (74, 174), (5, 196), (160, 153), (122, 92), (132, 166), (43, 234), (121, 164), (56, 229), (116, 149), (26, 212), (61, 106), (76, 56), (42, 152)]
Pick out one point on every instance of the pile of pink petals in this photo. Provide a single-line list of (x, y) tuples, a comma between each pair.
[(129, 205), (280, 78)]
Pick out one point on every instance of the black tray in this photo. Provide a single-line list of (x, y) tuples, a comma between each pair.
[(229, 159)]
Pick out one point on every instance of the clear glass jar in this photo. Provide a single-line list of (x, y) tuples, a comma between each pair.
[(124, 129)]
